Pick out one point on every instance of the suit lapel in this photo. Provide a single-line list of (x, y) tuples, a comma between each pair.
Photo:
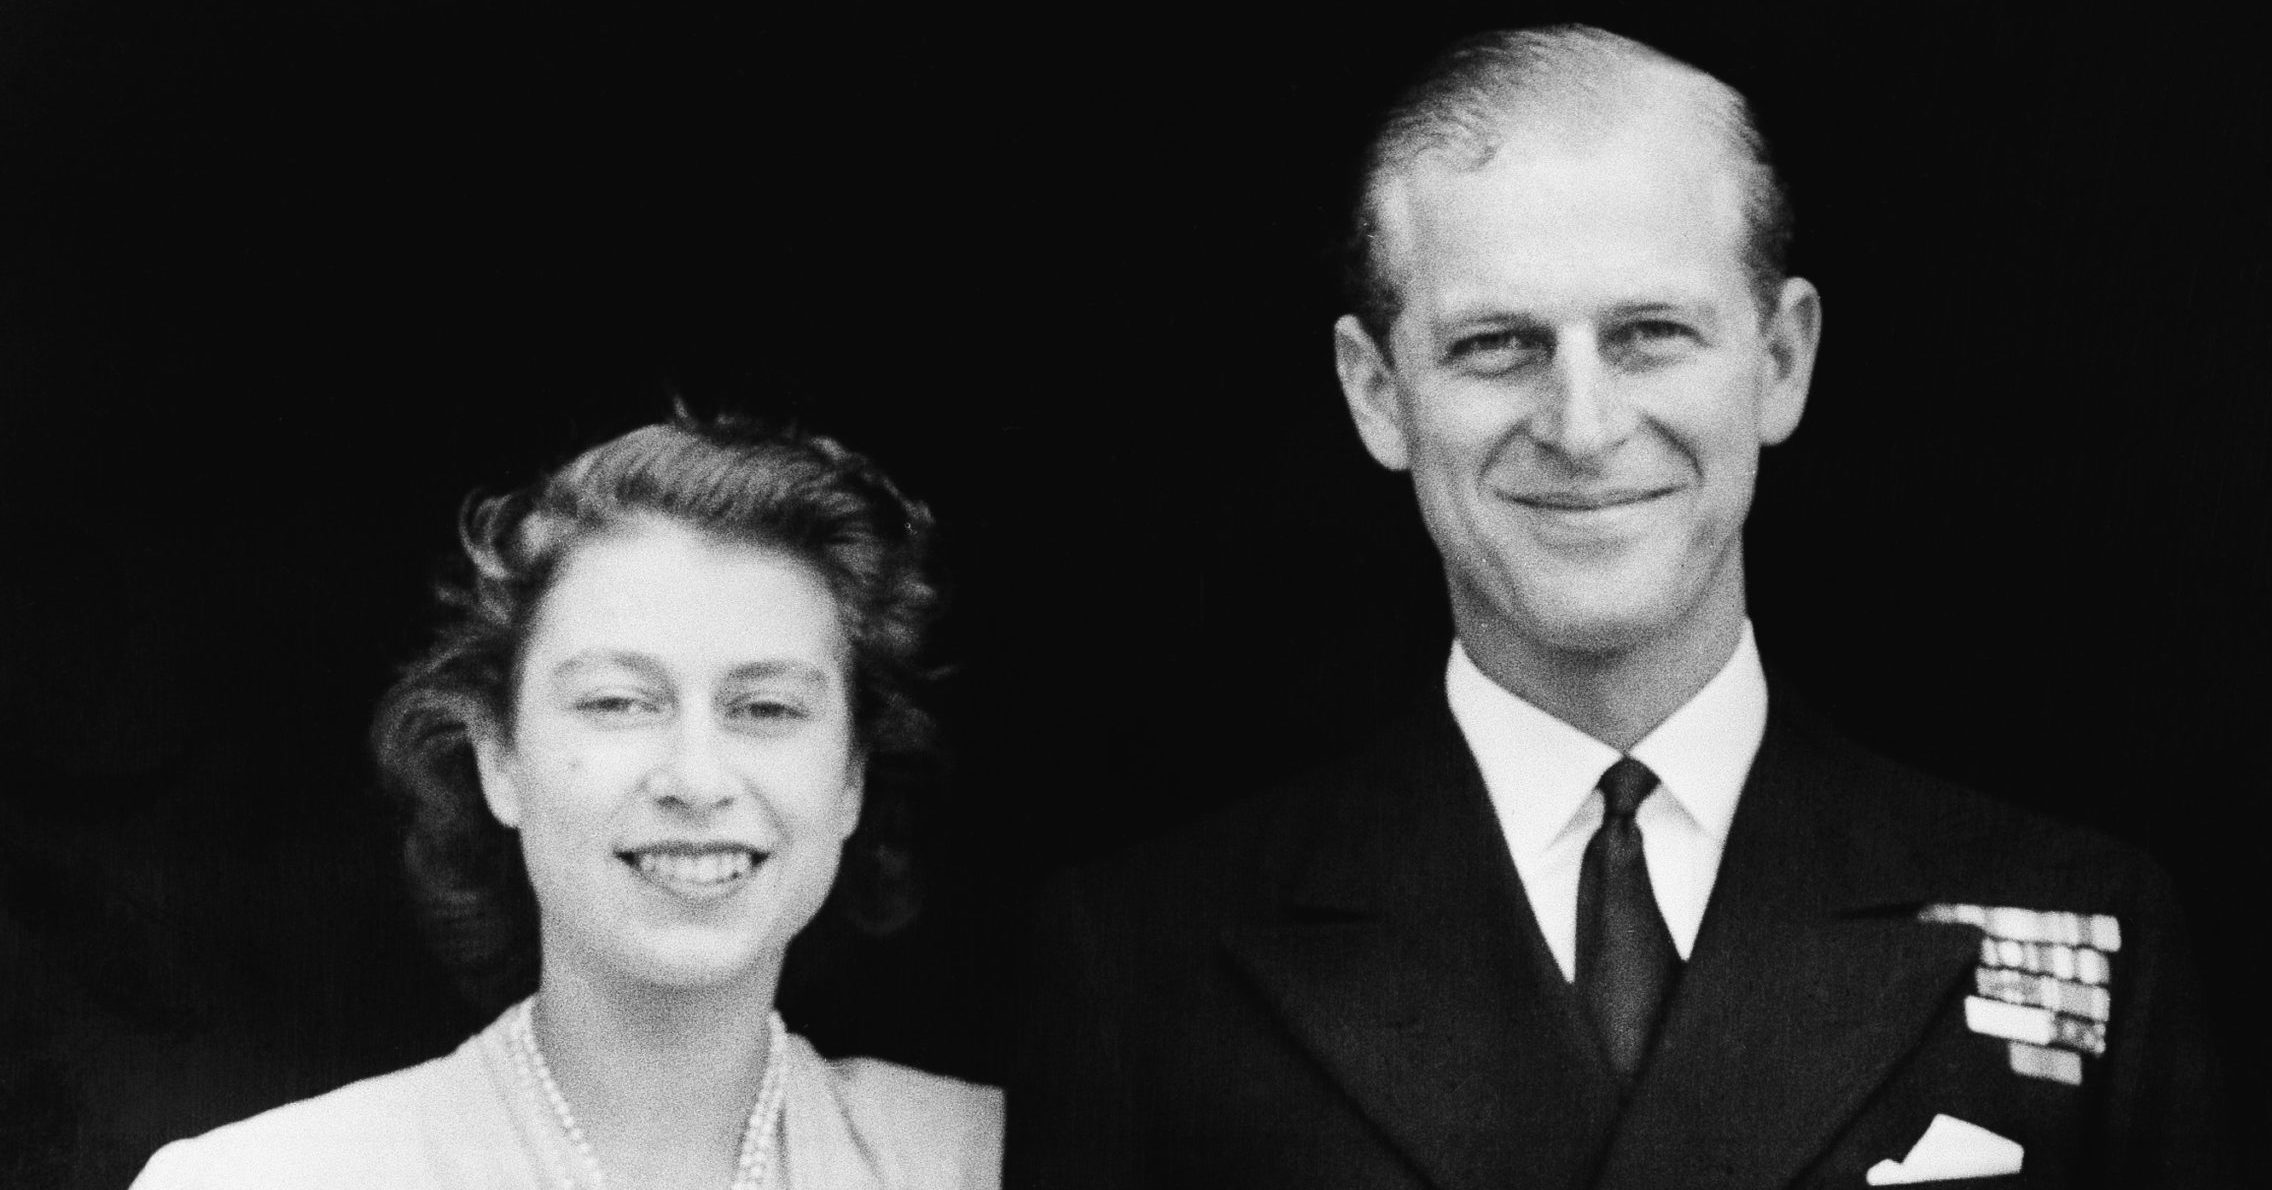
[(1809, 981), (1408, 964)]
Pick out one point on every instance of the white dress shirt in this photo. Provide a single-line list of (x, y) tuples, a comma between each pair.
[(1541, 774)]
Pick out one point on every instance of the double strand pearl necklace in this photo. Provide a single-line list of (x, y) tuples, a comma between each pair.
[(756, 1167)]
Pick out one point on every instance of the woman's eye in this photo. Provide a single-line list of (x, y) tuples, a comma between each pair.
[(613, 706), (769, 710)]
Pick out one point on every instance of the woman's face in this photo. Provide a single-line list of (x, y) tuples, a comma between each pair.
[(681, 769)]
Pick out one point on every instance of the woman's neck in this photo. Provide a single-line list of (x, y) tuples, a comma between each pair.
[(660, 1081)]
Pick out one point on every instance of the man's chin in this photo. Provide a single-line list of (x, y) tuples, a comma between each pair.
[(1595, 637), (1641, 601), (1595, 624)]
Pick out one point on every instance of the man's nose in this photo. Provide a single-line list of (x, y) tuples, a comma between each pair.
[(694, 774), (1579, 414)]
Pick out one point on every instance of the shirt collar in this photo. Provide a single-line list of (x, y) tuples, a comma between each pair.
[(1701, 753)]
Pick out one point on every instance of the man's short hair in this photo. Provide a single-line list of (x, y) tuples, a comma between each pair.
[(1465, 103)]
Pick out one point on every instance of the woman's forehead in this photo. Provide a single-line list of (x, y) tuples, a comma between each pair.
[(687, 599)]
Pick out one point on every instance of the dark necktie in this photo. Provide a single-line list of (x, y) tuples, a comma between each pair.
[(1626, 960)]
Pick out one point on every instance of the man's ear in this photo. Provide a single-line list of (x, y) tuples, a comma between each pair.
[(1376, 399), (1793, 331), (493, 759)]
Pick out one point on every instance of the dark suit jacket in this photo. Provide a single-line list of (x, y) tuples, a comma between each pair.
[(1341, 985)]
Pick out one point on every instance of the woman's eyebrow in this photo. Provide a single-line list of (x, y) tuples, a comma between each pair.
[(801, 671), (639, 663)]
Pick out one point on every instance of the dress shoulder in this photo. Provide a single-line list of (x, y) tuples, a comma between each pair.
[(439, 1123), (914, 1130)]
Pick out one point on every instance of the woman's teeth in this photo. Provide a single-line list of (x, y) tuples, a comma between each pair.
[(714, 867)]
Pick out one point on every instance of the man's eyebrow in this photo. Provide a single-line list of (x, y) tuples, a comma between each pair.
[(1461, 317), (1689, 308)]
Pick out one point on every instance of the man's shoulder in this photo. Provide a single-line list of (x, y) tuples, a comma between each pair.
[(1244, 852), (1203, 863), (1984, 844)]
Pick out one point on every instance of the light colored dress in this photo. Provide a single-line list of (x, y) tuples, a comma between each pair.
[(472, 1119)]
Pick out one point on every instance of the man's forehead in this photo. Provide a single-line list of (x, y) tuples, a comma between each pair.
[(1630, 198)]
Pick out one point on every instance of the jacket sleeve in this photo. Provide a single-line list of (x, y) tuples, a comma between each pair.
[(1073, 1120), (2165, 1118)]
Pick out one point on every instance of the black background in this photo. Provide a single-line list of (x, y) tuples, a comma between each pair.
[(279, 283)]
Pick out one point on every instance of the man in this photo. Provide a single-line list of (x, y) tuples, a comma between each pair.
[(1611, 911)]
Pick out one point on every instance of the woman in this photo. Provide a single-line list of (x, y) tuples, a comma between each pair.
[(634, 758)]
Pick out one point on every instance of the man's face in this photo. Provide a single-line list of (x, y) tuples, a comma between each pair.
[(1580, 381)]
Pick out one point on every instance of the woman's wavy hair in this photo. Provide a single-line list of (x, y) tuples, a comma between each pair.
[(732, 480)]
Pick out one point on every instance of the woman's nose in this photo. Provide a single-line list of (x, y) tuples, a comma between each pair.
[(695, 775)]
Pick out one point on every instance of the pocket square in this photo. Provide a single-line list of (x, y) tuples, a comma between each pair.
[(1950, 1148)]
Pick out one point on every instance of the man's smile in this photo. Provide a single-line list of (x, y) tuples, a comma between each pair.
[(1583, 500), (1590, 511)]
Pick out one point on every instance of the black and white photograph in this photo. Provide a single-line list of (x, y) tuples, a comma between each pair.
[(1569, 595)]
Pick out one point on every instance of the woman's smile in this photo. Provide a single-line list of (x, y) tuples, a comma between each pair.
[(695, 872)]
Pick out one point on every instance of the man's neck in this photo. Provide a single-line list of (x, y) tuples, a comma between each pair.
[(1616, 696)]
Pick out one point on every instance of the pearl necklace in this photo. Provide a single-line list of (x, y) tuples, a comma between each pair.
[(756, 1167)]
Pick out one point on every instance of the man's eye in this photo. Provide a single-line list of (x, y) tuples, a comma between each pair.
[(1650, 342), (1474, 343), (1654, 331), (1493, 344)]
